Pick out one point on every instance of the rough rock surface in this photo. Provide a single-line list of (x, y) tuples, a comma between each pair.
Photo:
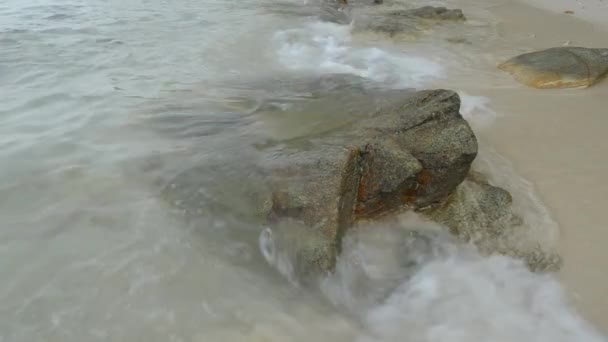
[(476, 208), (409, 21), (410, 155), (318, 189), (561, 67), (480, 213)]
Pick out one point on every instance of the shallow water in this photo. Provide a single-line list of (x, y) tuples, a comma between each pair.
[(107, 102)]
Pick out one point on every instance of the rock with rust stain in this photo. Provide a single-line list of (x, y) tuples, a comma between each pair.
[(560, 67), (409, 155), (386, 169)]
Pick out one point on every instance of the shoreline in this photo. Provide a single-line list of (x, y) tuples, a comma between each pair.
[(553, 138)]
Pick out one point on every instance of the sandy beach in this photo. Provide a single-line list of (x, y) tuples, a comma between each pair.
[(593, 11), (556, 138)]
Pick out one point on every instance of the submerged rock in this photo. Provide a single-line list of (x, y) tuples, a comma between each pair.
[(561, 67), (297, 251), (409, 21), (379, 258), (481, 213), (476, 210)]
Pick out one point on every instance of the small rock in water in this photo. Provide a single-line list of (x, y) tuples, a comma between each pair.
[(459, 41), (410, 20), (434, 13), (561, 67)]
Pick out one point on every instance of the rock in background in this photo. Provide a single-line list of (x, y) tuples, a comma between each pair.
[(561, 67)]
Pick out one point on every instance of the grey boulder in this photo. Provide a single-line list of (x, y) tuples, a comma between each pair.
[(410, 155), (561, 67)]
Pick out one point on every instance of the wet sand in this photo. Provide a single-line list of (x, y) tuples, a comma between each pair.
[(555, 138)]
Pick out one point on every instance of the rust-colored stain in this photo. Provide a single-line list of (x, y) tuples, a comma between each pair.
[(409, 196), (367, 203), (367, 187), (370, 202), (362, 191), (424, 177), (370, 209)]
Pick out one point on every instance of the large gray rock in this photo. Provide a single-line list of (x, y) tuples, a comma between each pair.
[(410, 21), (561, 67), (409, 155), (480, 213)]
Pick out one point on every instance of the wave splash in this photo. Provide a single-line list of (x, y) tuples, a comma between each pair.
[(323, 48), (413, 280)]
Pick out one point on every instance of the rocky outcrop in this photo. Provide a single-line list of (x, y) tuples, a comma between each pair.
[(410, 155), (402, 151), (409, 21), (562, 67)]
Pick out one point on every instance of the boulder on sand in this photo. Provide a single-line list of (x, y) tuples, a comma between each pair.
[(561, 67)]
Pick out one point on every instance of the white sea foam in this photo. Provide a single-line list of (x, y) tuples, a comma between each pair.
[(329, 48), (477, 110), (470, 298), (427, 287)]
